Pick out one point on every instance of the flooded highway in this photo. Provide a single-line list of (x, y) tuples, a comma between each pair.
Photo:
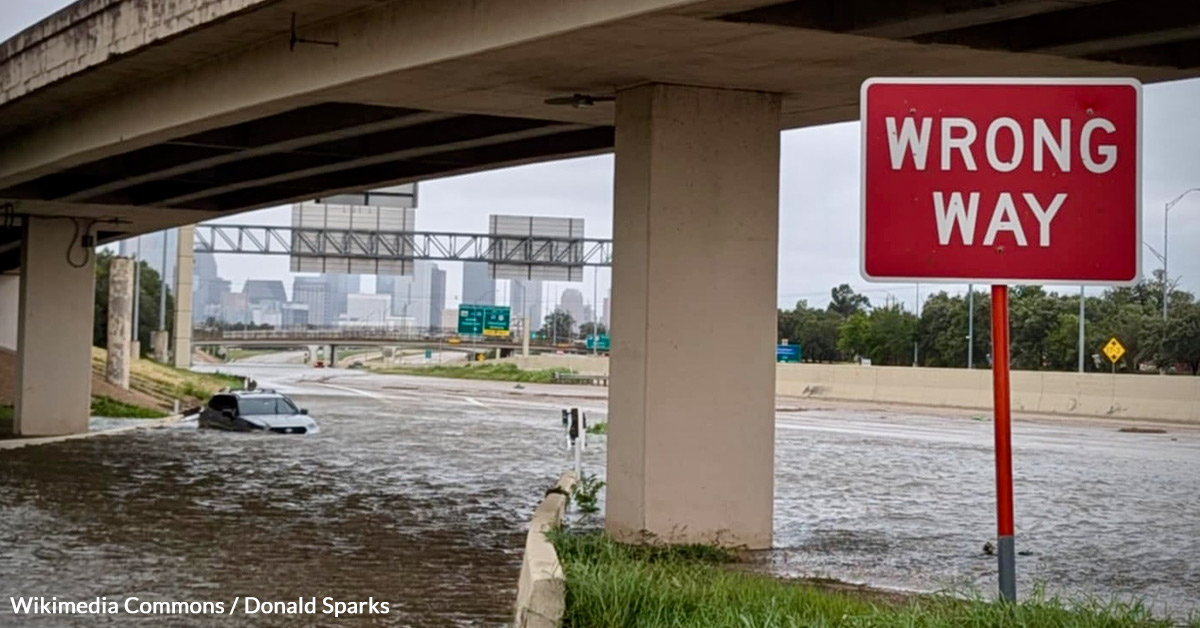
[(417, 492)]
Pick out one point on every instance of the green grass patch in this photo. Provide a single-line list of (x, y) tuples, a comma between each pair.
[(6, 413), (598, 428), (108, 407), (504, 371), (610, 585)]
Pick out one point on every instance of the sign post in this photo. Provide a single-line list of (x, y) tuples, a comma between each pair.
[(1005, 544), (1002, 181)]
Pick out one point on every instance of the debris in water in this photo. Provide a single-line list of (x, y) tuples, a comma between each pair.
[(989, 548), (1142, 430)]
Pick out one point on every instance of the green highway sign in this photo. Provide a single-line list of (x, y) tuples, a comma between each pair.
[(591, 342), (483, 320)]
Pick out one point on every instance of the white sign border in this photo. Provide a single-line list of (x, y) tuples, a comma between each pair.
[(911, 80)]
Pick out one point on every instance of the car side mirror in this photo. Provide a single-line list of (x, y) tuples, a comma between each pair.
[(303, 410)]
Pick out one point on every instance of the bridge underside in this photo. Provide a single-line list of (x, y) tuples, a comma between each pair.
[(129, 122), (161, 149)]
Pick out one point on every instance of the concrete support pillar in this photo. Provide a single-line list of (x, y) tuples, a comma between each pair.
[(525, 338), (161, 341), (184, 261), (54, 334), (332, 361), (692, 399), (10, 297), (120, 317)]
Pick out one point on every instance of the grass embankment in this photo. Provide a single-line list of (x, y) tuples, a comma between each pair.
[(109, 407), (688, 587), (159, 385), (506, 372)]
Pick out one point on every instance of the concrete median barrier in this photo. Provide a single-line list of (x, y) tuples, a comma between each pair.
[(1145, 397), (541, 591)]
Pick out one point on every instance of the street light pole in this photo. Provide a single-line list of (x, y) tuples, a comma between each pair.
[(1166, 277), (595, 306), (1166, 231)]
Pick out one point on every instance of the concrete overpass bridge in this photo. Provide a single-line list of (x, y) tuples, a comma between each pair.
[(120, 117), (438, 339)]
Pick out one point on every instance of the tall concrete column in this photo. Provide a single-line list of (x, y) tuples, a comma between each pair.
[(54, 330), (692, 399), (120, 318), (10, 296), (184, 261)]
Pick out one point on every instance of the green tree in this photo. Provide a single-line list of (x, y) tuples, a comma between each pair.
[(559, 325), (817, 335), (854, 336), (891, 339), (845, 302), (1183, 335), (585, 329)]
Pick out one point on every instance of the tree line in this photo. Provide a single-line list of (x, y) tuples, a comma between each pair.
[(1043, 329)]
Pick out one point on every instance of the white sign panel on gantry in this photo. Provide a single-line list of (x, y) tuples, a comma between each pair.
[(331, 253), (535, 247)]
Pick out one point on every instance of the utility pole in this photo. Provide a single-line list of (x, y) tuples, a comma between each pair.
[(137, 296), (970, 326), (1081, 324), (917, 308), (162, 286), (595, 307)]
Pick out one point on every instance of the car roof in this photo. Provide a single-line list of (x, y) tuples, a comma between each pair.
[(253, 393)]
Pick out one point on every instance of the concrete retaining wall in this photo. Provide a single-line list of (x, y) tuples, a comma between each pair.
[(541, 591), (1148, 397), (1175, 398)]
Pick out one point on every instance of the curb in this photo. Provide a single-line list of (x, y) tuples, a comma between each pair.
[(148, 424)]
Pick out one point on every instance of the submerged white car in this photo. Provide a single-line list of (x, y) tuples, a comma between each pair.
[(256, 410)]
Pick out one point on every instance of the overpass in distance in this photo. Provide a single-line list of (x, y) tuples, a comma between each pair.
[(445, 339), (121, 117)]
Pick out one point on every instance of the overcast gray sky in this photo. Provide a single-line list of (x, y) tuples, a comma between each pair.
[(819, 199)]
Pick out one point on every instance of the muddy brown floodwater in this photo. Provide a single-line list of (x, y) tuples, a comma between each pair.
[(417, 500), (417, 492)]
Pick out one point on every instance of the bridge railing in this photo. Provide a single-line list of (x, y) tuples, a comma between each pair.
[(367, 334)]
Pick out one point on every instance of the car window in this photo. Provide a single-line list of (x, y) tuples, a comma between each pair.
[(223, 402), (266, 405)]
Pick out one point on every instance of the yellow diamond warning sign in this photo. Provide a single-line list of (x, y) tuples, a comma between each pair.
[(1114, 350)]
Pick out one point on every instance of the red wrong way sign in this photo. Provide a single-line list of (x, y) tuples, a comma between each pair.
[(1002, 181)]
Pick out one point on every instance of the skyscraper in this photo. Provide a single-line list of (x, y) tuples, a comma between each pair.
[(421, 296), (525, 297), (312, 291), (571, 302), (337, 287), (259, 291), (208, 289), (437, 295), (478, 288)]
